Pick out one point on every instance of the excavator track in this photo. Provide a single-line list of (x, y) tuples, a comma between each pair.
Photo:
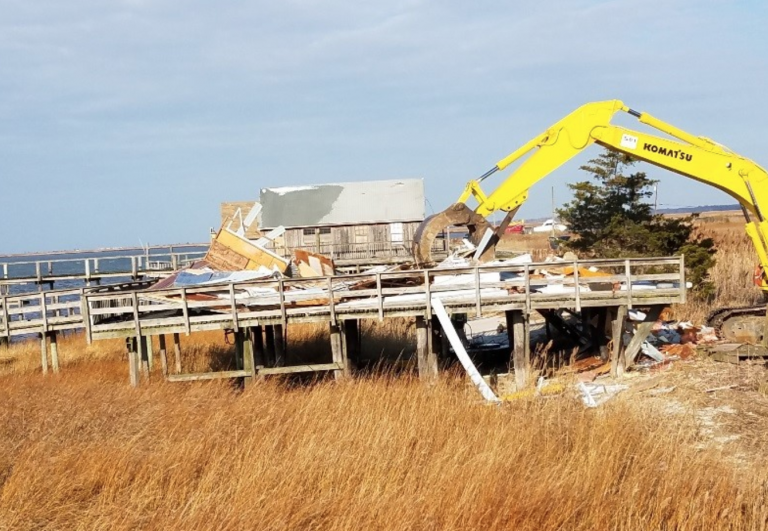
[(744, 324)]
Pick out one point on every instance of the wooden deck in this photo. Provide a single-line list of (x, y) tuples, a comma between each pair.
[(136, 313), (44, 274), (96, 270)]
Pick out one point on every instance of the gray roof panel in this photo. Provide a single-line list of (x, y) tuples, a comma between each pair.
[(343, 203)]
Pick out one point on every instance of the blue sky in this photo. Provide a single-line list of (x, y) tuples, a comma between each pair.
[(127, 121)]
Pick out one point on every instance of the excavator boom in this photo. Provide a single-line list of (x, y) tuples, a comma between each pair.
[(692, 156)]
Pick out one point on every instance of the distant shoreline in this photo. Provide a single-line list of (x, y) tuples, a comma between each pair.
[(105, 249), (679, 210)]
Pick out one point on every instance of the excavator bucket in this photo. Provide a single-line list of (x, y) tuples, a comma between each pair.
[(457, 214)]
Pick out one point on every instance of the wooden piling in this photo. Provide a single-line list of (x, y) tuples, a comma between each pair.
[(617, 327), (54, 351), (177, 352), (163, 355), (133, 361), (426, 349), (422, 346), (249, 364), (438, 348), (44, 353), (510, 323), (337, 351), (521, 349)]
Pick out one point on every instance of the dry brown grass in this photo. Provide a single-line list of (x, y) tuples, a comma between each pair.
[(84, 451), (733, 272)]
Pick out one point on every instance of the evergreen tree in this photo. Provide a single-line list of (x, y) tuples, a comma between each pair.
[(611, 218)]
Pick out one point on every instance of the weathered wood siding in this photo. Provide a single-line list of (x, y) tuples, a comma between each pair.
[(353, 241)]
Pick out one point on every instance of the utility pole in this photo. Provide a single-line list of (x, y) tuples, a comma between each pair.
[(552, 233), (553, 202), (655, 198)]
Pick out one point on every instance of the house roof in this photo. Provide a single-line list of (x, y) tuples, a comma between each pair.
[(362, 202)]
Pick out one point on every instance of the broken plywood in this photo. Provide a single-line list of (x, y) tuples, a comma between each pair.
[(230, 252), (313, 264)]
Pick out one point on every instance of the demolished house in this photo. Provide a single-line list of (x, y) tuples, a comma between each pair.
[(252, 275), (351, 220)]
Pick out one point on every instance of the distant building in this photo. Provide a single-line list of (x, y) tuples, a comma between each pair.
[(343, 220)]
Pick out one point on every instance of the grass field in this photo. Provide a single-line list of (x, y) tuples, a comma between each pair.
[(82, 450)]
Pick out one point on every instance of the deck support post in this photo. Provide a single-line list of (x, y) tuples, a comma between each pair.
[(422, 345), (44, 353), (425, 356), (177, 352), (163, 355), (133, 361), (510, 324), (521, 354), (438, 347), (249, 364), (337, 351), (54, 351), (238, 354), (349, 345), (618, 317)]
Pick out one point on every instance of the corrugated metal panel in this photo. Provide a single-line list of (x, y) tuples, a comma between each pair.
[(343, 203)]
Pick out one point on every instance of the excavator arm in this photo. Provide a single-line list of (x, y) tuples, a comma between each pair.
[(695, 157)]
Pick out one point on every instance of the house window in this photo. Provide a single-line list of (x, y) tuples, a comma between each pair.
[(396, 232), (308, 232), (325, 230), (361, 234)]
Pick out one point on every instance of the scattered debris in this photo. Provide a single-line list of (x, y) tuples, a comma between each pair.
[(543, 388), (682, 351), (594, 395), (231, 252), (461, 353), (313, 264)]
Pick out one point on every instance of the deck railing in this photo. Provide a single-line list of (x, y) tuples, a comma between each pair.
[(473, 290)]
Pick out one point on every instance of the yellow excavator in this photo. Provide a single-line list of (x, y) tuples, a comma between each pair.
[(693, 156)]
